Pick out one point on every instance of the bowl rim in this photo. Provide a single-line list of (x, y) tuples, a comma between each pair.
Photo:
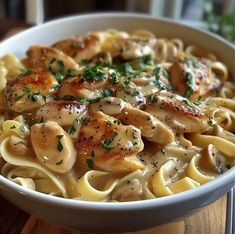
[(226, 178)]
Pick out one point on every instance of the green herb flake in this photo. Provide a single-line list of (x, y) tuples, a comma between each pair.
[(107, 92), (114, 78), (135, 93), (26, 90), (18, 97), (12, 127), (210, 122), (60, 162), (93, 73), (190, 84), (192, 62), (60, 136), (105, 143), (126, 82), (60, 146), (108, 122), (22, 128), (72, 130), (90, 163)]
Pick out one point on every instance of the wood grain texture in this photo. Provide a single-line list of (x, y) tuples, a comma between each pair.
[(210, 220)]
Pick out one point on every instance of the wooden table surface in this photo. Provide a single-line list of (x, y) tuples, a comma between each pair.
[(210, 220)]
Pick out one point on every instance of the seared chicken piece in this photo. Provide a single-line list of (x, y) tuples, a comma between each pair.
[(150, 127), (88, 85), (30, 90), (53, 147), (80, 48), (62, 112), (129, 48), (51, 59), (104, 143), (177, 112), (193, 78), (109, 105), (130, 94)]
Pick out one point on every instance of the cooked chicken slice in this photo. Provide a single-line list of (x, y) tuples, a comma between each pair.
[(130, 93), (104, 143), (51, 59), (30, 90), (62, 112), (109, 105), (150, 127), (53, 147), (80, 48), (177, 112), (88, 85), (129, 48), (193, 78)]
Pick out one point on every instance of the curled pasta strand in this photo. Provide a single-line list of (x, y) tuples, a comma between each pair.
[(29, 162), (224, 146), (193, 172), (88, 189)]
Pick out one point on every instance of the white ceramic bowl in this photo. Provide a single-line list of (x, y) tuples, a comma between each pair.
[(127, 216)]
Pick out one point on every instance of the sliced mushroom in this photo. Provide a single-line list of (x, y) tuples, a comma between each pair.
[(211, 160), (150, 127), (53, 147), (62, 112), (30, 90), (104, 143)]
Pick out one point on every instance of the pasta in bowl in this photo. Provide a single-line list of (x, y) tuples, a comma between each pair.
[(114, 115)]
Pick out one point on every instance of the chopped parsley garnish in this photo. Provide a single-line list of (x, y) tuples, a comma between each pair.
[(192, 62), (60, 65), (105, 143), (190, 84), (126, 82), (88, 100), (12, 127), (22, 128), (126, 69), (93, 73), (210, 122), (18, 97), (55, 86), (107, 92), (145, 61), (90, 163), (60, 146), (134, 142), (26, 90), (117, 121), (60, 162), (72, 130), (135, 93), (159, 72), (152, 98), (114, 79)]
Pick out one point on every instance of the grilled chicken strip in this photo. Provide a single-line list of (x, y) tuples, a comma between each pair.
[(80, 48), (151, 128), (193, 78), (30, 90), (62, 112), (177, 112), (104, 143), (51, 59)]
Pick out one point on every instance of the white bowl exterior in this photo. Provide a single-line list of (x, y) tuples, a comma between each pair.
[(127, 216)]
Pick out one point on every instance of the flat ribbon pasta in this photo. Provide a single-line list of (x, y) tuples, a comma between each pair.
[(224, 146), (96, 185), (29, 162)]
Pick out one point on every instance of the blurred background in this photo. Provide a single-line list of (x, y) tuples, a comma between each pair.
[(217, 16)]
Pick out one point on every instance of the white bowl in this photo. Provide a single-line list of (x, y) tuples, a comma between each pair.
[(126, 216)]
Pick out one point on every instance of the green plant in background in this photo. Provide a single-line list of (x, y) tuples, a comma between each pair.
[(223, 25)]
